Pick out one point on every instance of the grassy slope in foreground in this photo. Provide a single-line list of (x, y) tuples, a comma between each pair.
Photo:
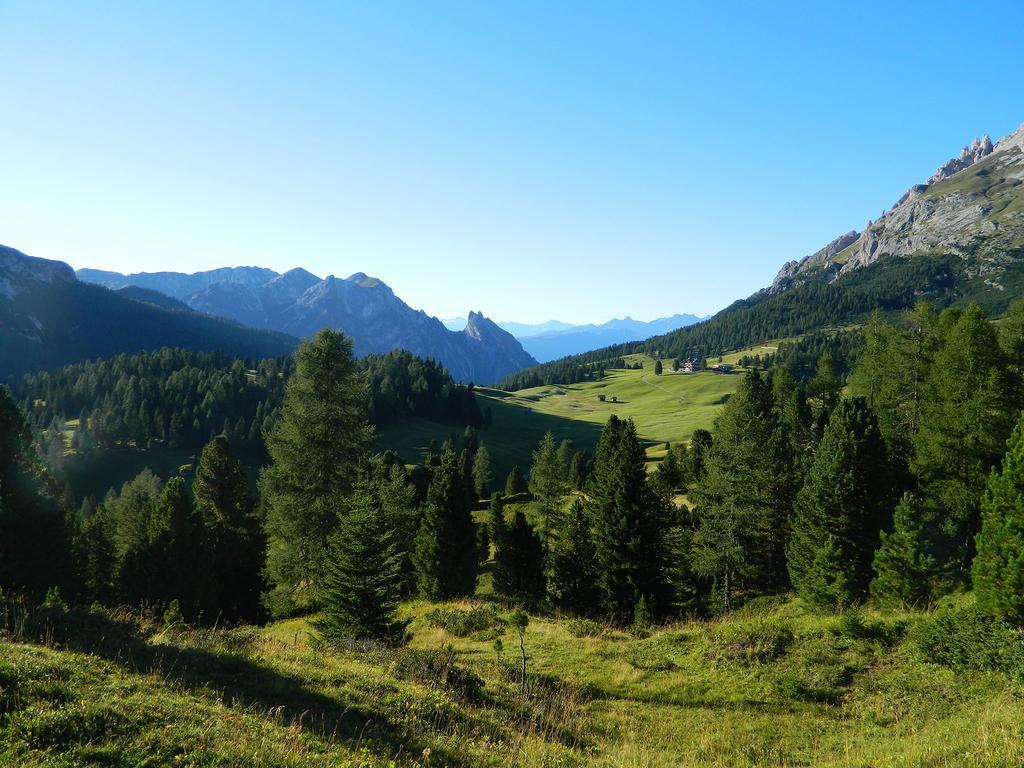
[(665, 408), (770, 685)]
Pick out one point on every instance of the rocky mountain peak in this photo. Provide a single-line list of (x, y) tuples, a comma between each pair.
[(969, 155), (18, 271)]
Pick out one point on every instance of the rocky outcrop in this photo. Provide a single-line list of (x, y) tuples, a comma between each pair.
[(972, 206), (969, 155), (300, 303)]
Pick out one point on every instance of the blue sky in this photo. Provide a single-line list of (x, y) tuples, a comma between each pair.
[(530, 160)]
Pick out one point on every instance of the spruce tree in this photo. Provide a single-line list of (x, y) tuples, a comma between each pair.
[(482, 475), (629, 525), (445, 551), (496, 519), (905, 569), (515, 483), (998, 569), (547, 484), (572, 577), (362, 580), (397, 499), (315, 448), (521, 555), (841, 510), (744, 501), (177, 568), (965, 422), (231, 538)]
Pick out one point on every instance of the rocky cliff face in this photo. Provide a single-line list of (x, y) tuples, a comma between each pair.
[(972, 206), (19, 273), (300, 303)]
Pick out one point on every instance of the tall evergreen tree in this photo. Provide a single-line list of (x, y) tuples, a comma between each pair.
[(744, 502), (177, 568), (841, 510), (998, 569), (316, 445), (629, 525), (498, 533), (398, 501), (966, 420), (482, 475), (362, 581), (547, 484), (520, 559), (572, 576), (445, 551), (231, 537)]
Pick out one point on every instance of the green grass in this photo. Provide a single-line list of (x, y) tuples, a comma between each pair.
[(665, 408), (770, 685)]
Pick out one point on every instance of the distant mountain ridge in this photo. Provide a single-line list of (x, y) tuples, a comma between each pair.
[(554, 338), (48, 319), (299, 303)]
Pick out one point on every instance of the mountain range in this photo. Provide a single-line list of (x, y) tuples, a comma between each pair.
[(48, 318), (299, 303), (954, 239), (554, 338)]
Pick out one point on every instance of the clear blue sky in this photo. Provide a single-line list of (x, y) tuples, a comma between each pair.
[(531, 160)]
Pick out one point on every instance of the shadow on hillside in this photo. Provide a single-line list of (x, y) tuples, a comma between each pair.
[(235, 678)]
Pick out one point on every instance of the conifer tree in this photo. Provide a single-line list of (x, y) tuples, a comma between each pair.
[(658, 369), (362, 580), (998, 568), (966, 420), (744, 501), (177, 569), (547, 484), (841, 510), (521, 558), (97, 558), (905, 569), (572, 577), (629, 524), (445, 551), (700, 443), (498, 534), (482, 475), (315, 447), (397, 499), (515, 483), (231, 538)]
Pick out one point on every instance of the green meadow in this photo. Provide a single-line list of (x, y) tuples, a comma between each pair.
[(665, 408), (771, 685)]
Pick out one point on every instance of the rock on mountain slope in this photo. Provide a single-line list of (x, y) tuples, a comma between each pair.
[(300, 303), (48, 318), (972, 206)]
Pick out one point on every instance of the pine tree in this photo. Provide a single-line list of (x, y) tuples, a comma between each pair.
[(175, 539), (362, 580), (905, 570), (547, 484), (841, 510), (97, 558), (482, 475), (515, 483), (965, 422), (658, 369), (744, 501), (315, 447), (231, 538), (700, 443), (397, 499), (445, 552), (521, 558), (572, 577), (579, 469), (498, 534), (998, 569), (629, 524)]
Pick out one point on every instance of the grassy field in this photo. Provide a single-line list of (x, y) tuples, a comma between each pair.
[(665, 408), (771, 685)]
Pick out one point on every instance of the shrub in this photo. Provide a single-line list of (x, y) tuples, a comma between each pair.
[(584, 628), (754, 642), (463, 623), (963, 637)]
